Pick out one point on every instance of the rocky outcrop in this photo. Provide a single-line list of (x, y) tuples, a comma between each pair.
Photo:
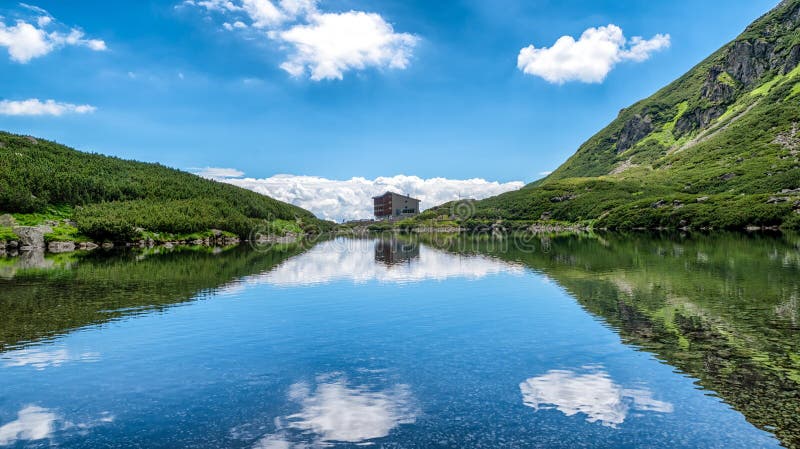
[(716, 89), (633, 131), (31, 237), (697, 119), (748, 61)]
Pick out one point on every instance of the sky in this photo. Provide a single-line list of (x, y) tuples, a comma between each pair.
[(325, 103)]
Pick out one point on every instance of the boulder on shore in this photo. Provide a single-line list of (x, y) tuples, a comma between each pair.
[(31, 237), (7, 220)]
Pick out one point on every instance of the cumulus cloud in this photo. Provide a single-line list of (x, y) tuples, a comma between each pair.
[(333, 411), (352, 199), (35, 107), (593, 394), (34, 37), (335, 43), (218, 173), (36, 423), (590, 58), (323, 45), (41, 359), (386, 261), (32, 424)]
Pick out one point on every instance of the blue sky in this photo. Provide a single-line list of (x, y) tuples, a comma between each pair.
[(166, 81)]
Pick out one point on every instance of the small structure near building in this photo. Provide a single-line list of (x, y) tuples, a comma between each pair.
[(393, 206)]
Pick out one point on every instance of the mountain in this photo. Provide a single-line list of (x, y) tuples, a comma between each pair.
[(717, 148), (108, 198)]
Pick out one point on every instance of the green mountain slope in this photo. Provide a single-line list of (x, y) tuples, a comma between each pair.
[(114, 199), (719, 147)]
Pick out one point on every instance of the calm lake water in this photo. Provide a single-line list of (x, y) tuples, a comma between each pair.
[(436, 342)]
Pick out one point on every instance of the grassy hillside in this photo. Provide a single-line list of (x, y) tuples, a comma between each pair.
[(114, 199), (717, 148)]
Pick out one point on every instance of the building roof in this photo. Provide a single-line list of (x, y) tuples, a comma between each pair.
[(395, 193)]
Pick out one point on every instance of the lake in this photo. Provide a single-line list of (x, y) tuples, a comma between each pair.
[(438, 341)]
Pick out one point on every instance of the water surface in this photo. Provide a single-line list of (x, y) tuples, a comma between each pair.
[(445, 341)]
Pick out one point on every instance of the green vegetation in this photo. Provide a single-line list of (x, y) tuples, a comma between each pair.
[(718, 148), (118, 200), (6, 234), (68, 291)]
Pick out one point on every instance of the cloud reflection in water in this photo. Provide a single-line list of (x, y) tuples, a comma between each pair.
[(36, 423), (360, 261), (594, 394), (337, 412), (41, 359)]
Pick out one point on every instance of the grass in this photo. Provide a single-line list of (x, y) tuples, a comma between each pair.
[(6, 234)]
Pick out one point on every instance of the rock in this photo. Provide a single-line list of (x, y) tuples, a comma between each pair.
[(633, 131), (778, 199), (796, 205), (677, 204), (198, 242), (748, 61), (790, 192), (561, 199), (717, 90), (107, 245), (88, 246), (727, 176), (168, 245), (61, 247), (792, 59), (216, 232), (7, 220), (658, 204), (703, 199), (32, 140), (32, 236), (13, 244), (546, 216), (697, 118)]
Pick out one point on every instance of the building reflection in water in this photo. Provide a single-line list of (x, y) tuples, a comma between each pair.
[(394, 251)]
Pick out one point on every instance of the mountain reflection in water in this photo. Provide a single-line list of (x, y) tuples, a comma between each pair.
[(469, 324)]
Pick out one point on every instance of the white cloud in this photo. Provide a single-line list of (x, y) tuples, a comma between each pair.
[(218, 173), (593, 394), (352, 199), (387, 261), (322, 44), (32, 424), (40, 359), (590, 58), (26, 41), (335, 43), (35, 423), (37, 107), (335, 412)]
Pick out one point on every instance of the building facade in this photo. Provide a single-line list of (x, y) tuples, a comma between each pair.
[(392, 205)]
